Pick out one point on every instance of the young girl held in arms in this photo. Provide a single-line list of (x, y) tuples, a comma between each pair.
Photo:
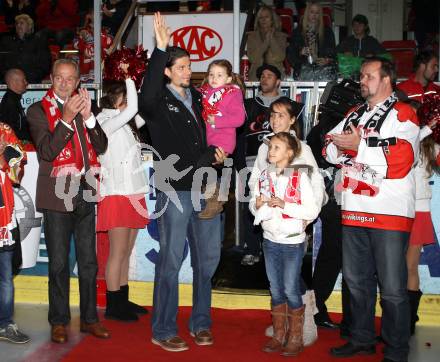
[(223, 111), (284, 203)]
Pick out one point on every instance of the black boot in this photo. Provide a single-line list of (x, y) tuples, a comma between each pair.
[(414, 300), (135, 308), (117, 309)]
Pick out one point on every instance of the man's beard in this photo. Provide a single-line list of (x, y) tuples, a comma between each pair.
[(184, 85)]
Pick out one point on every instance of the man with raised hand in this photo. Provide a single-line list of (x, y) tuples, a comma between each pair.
[(172, 108)]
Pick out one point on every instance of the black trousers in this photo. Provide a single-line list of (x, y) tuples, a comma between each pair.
[(58, 229), (329, 261)]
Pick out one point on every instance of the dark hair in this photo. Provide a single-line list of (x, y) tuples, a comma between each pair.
[(293, 108), (175, 53), (361, 19), (226, 64), (113, 90), (423, 58), (387, 68), (427, 149), (291, 142)]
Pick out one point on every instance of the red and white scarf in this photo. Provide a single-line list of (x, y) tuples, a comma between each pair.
[(293, 190), (68, 162)]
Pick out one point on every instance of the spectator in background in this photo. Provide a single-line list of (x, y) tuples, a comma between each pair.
[(11, 110), (113, 14), (360, 44), (267, 43), (422, 81), (57, 20), (12, 8), (85, 43), (25, 50), (249, 139), (312, 43)]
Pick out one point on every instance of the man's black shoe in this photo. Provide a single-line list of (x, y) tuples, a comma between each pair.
[(326, 323), (349, 349), (344, 333)]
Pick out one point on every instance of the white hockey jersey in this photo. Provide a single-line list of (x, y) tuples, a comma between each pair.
[(378, 182)]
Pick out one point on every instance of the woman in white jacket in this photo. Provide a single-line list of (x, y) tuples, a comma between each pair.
[(422, 232), (122, 210)]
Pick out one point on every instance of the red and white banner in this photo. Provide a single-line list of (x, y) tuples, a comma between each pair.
[(205, 36)]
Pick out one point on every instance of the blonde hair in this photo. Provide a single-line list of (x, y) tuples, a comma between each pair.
[(276, 22), (305, 20), (27, 19)]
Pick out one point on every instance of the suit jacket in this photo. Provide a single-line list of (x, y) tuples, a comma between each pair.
[(49, 145)]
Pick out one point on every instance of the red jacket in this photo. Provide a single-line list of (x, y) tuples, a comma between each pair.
[(65, 15), (415, 90)]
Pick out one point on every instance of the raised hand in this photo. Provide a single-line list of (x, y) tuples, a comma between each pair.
[(87, 102), (162, 32), (72, 107)]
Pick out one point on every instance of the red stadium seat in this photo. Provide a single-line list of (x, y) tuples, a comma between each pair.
[(286, 24), (284, 11), (403, 52), (4, 28), (54, 51)]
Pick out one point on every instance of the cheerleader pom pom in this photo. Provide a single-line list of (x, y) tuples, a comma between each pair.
[(429, 113), (137, 64)]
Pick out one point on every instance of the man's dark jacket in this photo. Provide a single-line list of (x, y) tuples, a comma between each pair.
[(12, 113), (30, 54), (172, 127)]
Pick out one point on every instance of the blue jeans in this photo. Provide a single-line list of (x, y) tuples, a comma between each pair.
[(283, 268), (204, 242), (6, 289), (372, 257)]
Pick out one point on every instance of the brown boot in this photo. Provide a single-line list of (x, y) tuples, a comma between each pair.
[(213, 205), (279, 318), (294, 341)]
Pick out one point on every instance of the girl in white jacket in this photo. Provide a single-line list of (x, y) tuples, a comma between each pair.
[(284, 202), (122, 210), (422, 232)]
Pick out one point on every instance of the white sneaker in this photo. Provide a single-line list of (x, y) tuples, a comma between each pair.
[(310, 331), (250, 259)]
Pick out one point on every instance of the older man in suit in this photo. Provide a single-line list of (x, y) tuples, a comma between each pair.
[(68, 139)]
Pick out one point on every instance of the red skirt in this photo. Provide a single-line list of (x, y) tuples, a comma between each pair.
[(128, 211), (422, 232)]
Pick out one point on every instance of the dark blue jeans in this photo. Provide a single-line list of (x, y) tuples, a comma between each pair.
[(283, 268), (6, 289), (374, 257), (175, 226)]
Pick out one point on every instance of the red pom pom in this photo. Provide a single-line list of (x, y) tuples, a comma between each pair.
[(430, 112), (137, 64)]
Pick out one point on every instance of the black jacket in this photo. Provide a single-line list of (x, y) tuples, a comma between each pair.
[(250, 135), (172, 127), (326, 48), (360, 47), (12, 113), (30, 54)]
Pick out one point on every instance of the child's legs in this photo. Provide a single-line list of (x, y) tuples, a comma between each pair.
[(412, 262), (6, 289), (274, 270), (292, 257)]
